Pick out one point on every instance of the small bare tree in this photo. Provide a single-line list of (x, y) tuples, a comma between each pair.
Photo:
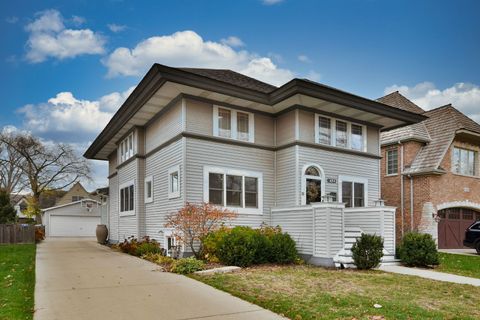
[(12, 178), (194, 221), (48, 167)]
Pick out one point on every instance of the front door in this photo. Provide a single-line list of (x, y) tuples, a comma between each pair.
[(452, 226), (313, 190)]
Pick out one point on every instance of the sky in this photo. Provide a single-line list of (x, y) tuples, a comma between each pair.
[(66, 66)]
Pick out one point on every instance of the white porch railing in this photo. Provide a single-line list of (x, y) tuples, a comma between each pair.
[(327, 231)]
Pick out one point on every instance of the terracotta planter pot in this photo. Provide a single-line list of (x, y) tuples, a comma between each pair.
[(102, 233)]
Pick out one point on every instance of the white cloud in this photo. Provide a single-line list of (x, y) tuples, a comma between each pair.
[(314, 76), (77, 20), (233, 41), (66, 118), (116, 27), (188, 49), (304, 58), (271, 2), (12, 19), (48, 37), (464, 96)]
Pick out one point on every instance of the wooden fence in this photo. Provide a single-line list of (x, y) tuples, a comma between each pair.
[(17, 233)]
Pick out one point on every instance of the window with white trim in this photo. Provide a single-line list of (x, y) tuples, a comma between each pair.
[(126, 148), (149, 189), (353, 191), (174, 182), (464, 161), (233, 124), (392, 161), (339, 133), (127, 198), (237, 190)]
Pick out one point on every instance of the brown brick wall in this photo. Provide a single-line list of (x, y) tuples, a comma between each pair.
[(436, 189)]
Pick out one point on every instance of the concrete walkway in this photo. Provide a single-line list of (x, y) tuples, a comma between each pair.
[(79, 279), (434, 275), (466, 252)]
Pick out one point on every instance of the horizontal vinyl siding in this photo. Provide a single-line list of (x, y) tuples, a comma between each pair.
[(285, 128), (263, 130), (373, 140), (336, 163), (113, 208), (164, 128), (328, 232), (157, 166), (298, 223), (286, 192), (128, 224), (112, 162), (199, 118), (202, 153), (306, 121)]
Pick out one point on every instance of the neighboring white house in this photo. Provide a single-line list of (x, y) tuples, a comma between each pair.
[(19, 202), (74, 219)]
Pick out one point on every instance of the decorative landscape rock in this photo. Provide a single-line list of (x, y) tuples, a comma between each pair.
[(218, 270)]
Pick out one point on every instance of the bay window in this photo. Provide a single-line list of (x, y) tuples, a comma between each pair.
[(127, 198), (339, 133), (234, 189), (233, 124), (464, 162)]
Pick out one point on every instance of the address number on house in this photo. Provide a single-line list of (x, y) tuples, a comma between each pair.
[(331, 180)]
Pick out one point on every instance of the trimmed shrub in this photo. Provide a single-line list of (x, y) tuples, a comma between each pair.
[(418, 250), (39, 233), (239, 247), (367, 251), (147, 247), (282, 248), (211, 244), (187, 265), (244, 246), (138, 248)]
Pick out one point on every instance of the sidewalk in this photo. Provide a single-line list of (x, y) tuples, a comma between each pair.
[(434, 275)]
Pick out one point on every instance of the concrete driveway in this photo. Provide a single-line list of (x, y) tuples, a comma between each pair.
[(79, 279)]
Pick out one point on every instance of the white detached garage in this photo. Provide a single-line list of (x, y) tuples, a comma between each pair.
[(75, 219)]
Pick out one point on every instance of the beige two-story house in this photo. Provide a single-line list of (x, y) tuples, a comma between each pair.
[(303, 156)]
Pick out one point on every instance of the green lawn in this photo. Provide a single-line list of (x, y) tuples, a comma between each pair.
[(17, 281), (463, 265), (307, 292)]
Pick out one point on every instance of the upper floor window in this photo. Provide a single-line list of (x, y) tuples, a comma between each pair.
[(339, 133), (234, 189), (464, 161), (126, 148), (233, 124), (392, 161), (77, 198)]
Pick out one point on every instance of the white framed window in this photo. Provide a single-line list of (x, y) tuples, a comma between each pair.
[(127, 198), (126, 148), (353, 191), (237, 190), (340, 133), (464, 161), (174, 182), (148, 189), (233, 124), (392, 162)]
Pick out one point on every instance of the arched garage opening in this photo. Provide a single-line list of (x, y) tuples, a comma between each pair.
[(452, 225)]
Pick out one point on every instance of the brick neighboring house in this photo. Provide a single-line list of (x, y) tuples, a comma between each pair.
[(430, 172)]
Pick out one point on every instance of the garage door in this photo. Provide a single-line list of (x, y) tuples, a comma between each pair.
[(73, 226), (452, 226)]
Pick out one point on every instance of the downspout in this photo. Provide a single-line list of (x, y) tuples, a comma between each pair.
[(411, 202), (402, 196)]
